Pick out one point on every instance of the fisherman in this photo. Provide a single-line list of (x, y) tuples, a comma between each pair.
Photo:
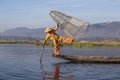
[(57, 40)]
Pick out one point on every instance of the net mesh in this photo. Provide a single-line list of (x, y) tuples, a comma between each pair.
[(72, 26)]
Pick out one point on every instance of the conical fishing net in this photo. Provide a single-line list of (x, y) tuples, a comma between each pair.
[(72, 26)]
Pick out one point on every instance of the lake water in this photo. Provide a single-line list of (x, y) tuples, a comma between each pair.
[(21, 62)]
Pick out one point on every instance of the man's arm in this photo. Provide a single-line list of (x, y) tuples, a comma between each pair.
[(56, 27), (46, 38)]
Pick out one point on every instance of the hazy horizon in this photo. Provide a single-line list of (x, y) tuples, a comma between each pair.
[(44, 26)]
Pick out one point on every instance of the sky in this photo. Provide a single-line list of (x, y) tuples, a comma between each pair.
[(35, 13)]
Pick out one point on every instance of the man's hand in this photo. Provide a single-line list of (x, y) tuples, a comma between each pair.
[(44, 42), (58, 24)]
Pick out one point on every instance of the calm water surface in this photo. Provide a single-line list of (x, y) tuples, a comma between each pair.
[(21, 62)]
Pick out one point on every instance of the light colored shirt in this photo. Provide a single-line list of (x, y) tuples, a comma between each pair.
[(52, 36)]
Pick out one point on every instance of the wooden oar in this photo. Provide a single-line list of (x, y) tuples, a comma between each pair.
[(42, 52)]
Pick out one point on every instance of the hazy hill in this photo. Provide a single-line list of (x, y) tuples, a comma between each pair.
[(24, 32), (109, 30), (99, 31)]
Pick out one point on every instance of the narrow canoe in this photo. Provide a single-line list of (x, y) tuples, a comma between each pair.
[(91, 59)]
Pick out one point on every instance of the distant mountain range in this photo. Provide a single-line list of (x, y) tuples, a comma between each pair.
[(99, 31), (23, 33), (104, 31)]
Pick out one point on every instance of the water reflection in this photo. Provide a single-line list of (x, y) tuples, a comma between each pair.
[(43, 71), (57, 74)]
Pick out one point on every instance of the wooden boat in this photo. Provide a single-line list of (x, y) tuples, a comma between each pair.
[(91, 59)]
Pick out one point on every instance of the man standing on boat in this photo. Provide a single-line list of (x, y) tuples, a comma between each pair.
[(57, 40)]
